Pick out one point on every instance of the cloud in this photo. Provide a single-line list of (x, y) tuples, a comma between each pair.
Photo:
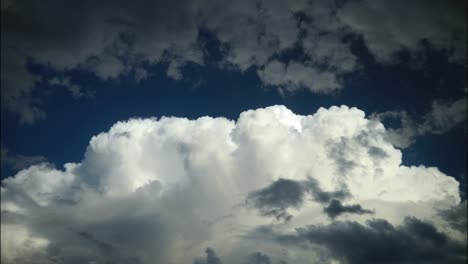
[(323, 196), (75, 90), (258, 258), (211, 258), (18, 162), (444, 116), (378, 241), (441, 118), (108, 38), (146, 189), (276, 198), (391, 28), (336, 208), (282, 194), (113, 39), (457, 216), (294, 76)]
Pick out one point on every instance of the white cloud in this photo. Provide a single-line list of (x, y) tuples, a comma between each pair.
[(159, 190)]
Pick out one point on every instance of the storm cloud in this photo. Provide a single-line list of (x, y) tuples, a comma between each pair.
[(276, 198), (336, 208), (258, 258), (282, 194), (111, 39), (378, 241), (211, 258)]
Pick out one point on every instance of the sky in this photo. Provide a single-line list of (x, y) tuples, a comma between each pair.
[(233, 132)]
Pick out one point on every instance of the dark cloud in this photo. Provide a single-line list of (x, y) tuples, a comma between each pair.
[(219, 219), (18, 162), (96, 250), (129, 241), (339, 150), (115, 38), (258, 258), (377, 152), (457, 217), (339, 153), (107, 38), (391, 27), (275, 199), (321, 196), (106, 248), (441, 118), (336, 208), (378, 241), (211, 258)]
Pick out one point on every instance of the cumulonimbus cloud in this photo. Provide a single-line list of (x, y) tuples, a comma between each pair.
[(159, 190)]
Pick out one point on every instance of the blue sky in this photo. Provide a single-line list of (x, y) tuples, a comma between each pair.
[(71, 73)]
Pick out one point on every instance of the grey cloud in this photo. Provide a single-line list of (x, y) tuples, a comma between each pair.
[(339, 153), (89, 36), (131, 239), (17, 85), (326, 58), (336, 208), (82, 247), (278, 197), (128, 241), (457, 217), (107, 248), (441, 118), (18, 162), (76, 91), (403, 136), (258, 258), (260, 29), (114, 38), (323, 196), (377, 152), (295, 75), (253, 258), (389, 27), (275, 199), (219, 220), (329, 50), (111, 38), (378, 241), (211, 258)]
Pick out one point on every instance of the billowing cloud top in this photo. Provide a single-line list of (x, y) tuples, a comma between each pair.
[(173, 189)]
